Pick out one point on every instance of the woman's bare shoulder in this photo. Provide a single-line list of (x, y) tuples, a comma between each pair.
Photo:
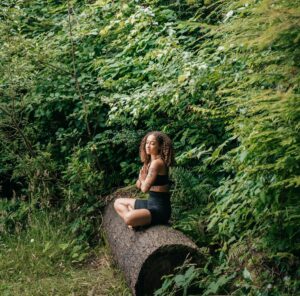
[(158, 164)]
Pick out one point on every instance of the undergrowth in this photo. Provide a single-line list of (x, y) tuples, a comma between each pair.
[(44, 259)]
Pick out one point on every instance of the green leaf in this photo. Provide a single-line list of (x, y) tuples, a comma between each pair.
[(63, 246)]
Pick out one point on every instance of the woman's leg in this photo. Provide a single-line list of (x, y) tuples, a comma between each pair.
[(124, 205), (138, 217), (125, 208)]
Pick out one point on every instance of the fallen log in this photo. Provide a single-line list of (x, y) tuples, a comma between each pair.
[(145, 255)]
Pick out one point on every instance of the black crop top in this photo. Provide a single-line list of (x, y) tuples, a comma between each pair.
[(161, 180)]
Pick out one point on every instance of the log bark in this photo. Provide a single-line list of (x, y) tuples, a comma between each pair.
[(146, 254)]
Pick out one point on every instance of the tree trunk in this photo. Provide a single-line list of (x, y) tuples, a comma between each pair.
[(145, 255)]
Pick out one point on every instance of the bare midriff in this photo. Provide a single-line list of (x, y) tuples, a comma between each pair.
[(160, 188)]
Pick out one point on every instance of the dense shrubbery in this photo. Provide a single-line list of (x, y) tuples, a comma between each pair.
[(82, 82)]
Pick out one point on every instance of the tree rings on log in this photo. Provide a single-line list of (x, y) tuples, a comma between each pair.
[(146, 254)]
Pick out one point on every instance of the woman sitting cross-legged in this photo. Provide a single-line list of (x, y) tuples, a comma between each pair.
[(157, 154)]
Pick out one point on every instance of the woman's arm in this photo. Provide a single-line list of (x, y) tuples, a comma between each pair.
[(151, 176)]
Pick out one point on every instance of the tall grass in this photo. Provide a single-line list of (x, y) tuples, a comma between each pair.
[(43, 260)]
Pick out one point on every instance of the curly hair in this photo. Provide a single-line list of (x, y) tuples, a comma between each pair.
[(166, 151)]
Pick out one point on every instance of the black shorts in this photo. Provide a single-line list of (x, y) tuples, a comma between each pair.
[(159, 206)]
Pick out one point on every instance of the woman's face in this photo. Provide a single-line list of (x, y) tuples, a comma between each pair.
[(152, 146)]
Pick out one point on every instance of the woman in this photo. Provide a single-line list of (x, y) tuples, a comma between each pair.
[(156, 153)]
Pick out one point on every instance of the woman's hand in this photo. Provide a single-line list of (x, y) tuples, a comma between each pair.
[(143, 173), (138, 184), (142, 176)]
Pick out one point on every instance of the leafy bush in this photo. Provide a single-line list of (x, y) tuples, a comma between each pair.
[(81, 83)]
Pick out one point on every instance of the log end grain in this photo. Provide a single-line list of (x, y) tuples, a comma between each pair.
[(163, 262)]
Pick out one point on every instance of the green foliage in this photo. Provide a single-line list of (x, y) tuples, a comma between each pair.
[(189, 199), (39, 172), (188, 191), (265, 164), (47, 241), (45, 259), (13, 215), (181, 282), (82, 82), (82, 188)]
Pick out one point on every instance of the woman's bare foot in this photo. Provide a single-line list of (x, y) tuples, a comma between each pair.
[(129, 226)]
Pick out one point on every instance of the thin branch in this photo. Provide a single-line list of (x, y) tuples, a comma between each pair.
[(16, 126), (54, 67), (75, 72), (70, 9)]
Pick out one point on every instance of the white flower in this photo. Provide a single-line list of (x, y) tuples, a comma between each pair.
[(202, 67), (269, 286), (147, 11), (171, 32), (220, 48), (186, 55), (228, 15), (32, 240)]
